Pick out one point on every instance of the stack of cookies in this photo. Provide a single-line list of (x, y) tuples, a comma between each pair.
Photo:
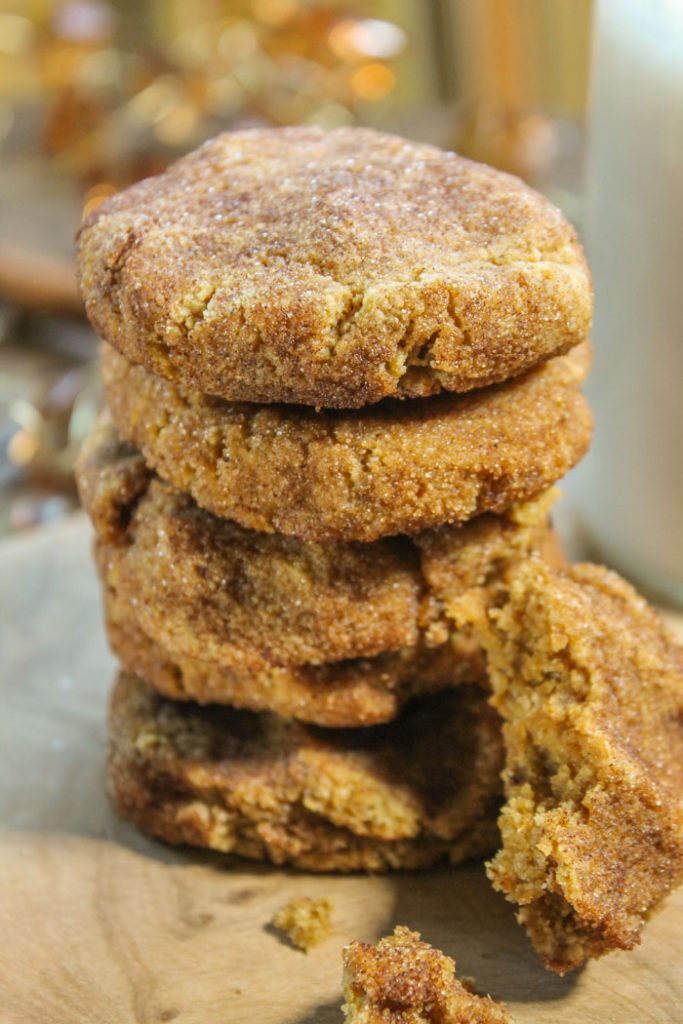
[(342, 374)]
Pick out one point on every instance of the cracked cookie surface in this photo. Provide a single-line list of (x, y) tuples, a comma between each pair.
[(423, 789), (400, 467), (206, 588), (332, 269), (590, 688)]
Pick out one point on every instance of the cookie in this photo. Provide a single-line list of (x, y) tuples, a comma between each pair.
[(400, 467), (590, 687), (332, 269), (406, 795), (403, 980), (206, 588), (367, 691)]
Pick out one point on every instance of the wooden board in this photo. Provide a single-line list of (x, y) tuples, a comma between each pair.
[(100, 926)]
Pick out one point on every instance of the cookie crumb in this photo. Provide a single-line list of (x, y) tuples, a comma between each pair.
[(403, 978), (306, 921)]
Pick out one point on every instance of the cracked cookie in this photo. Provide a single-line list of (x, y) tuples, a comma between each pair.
[(406, 795), (396, 468), (590, 688), (332, 269)]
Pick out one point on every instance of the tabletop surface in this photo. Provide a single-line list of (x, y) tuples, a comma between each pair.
[(99, 925)]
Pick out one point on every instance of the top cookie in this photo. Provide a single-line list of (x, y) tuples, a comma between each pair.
[(332, 269)]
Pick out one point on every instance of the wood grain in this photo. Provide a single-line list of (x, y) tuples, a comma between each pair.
[(101, 926)]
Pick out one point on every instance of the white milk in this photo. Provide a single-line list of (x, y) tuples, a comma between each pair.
[(631, 492)]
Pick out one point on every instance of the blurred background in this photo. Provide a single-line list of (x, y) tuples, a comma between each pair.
[(95, 94)]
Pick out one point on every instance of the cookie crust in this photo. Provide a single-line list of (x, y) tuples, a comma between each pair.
[(398, 468), (405, 795), (205, 588), (332, 269)]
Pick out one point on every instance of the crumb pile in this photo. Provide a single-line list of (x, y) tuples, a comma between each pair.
[(343, 373)]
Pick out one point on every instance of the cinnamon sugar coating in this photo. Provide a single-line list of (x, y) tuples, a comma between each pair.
[(332, 269), (590, 687), (360, 692), (406, 795), (207, 589), (403, 980), (400, 467)]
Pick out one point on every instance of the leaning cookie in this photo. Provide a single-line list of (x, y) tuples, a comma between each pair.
[(332, 269), (400, 467), (361, 692), (205, 588), (590, 687), (423, 789)]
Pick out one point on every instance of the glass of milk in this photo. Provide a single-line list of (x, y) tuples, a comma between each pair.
[(631, 491)]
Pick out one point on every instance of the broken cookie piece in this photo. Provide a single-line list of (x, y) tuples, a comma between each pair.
[(306, 921), (402, 980), (590, 688)]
